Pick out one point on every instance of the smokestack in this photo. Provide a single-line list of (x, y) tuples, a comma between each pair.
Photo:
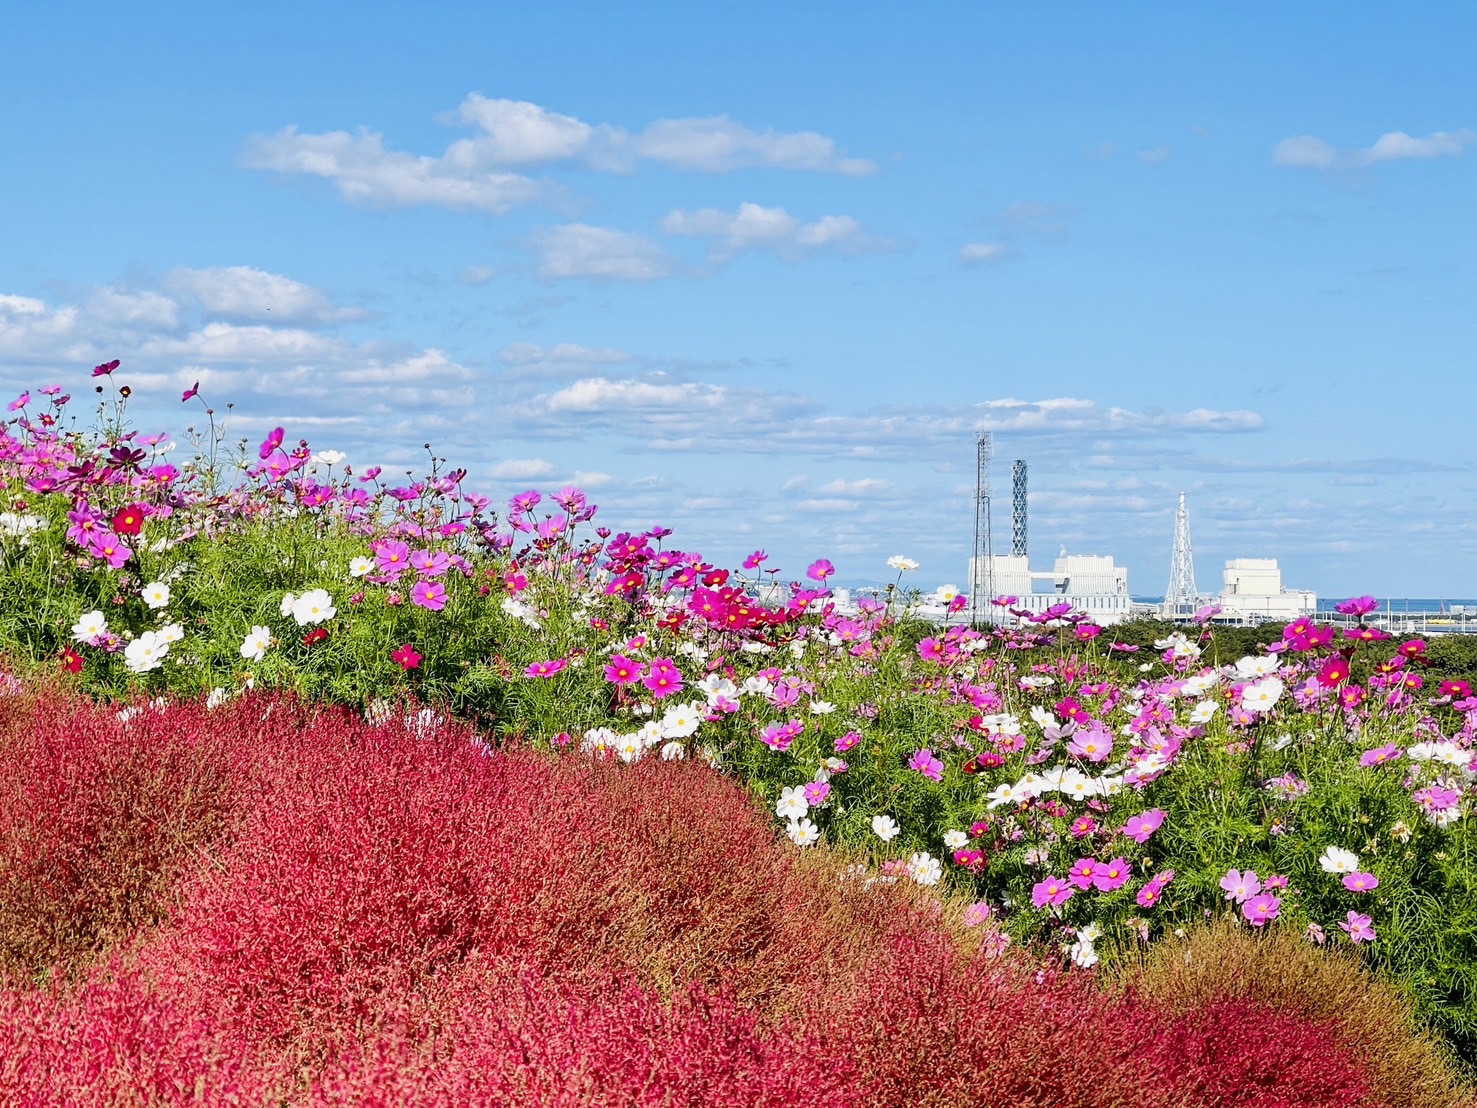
[(1018, 508)]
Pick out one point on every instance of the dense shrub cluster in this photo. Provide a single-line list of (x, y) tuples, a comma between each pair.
[(397, 914)]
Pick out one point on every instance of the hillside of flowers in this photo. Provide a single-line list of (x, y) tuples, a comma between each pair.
[(1085, 799)]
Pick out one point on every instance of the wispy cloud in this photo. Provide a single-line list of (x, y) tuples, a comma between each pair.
[(242, 293), (754, 227), (1311, 152), (580, 250)]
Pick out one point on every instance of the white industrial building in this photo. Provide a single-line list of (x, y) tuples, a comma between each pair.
[(1253, 592), (1091, 583)]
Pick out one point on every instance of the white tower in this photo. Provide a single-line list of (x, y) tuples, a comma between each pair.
[(982, 589), (1182, 597)]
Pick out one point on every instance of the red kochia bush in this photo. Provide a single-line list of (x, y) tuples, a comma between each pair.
[(99, 814), (388, 917)]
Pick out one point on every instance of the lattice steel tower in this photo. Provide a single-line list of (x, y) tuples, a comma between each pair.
[(1018, 508), (1182, 593), (983, 562)]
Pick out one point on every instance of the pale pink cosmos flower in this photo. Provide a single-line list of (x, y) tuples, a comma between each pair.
[(1141, 826), (1359, 927), (1241, 887), (1361, 882)]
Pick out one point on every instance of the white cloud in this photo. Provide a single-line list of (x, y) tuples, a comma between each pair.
[(985, 253), (580, 250), (365, 172), (753, 227), (827, 504), (865, 486), (717, 144), (474, 174), (601, 394), (242, 293), (1311, 152), (516, 133), (147, 309), (523, 469), (1156, 155)]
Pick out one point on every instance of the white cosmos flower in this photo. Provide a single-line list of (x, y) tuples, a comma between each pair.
[(901, 563), (1032, 784), (1083, 954), (925, 869), (885, 828), (792, 803), (156, 595), (1078, 786), (1002, 795), (803, 832), (1042, 717), (217, 697), (955, 840), (1260, 666), (170, 634), (288, 600), (598, 740), (821, 707), (329, 457), (673, 751), (314, 606), (90, 627), (679, 722), (254, 649), (1198, 685), (359, 566), (1204, 711), (756, 648), (946, 594), (1335, 859), (145, 653), (629, 748), (715, 685), (1262, 695), (20, 526), (651, 733), (757, 686)]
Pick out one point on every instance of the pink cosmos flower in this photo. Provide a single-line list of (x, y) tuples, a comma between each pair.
[(977, 913), (20, 402), (753, 560), (820, 569), (1149, 895), (925, 763), (816, 792), (1241, 887), (1082, 827), (1082, 872), (406, 657), (1359, 927), (622, 670), (1357, 606), (1052, 891), (1361, 882), (546, 669), (847, 741), (1259, 909), (1108, 876), (429, 594), (1141, 826), (663, 679), (1379, 755)]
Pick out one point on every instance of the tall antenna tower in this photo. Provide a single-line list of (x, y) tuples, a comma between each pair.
[(1018, 508), (983, 562), (1182, 596)]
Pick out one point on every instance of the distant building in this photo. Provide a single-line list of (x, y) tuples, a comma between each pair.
[(1091, 583), (1253, 592)]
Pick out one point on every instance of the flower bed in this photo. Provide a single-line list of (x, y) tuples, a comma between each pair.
[(1086, 796)]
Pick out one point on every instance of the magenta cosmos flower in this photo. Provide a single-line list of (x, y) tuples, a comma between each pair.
[(1361, 882), (429, 594), (546, 669), (1359, 927), (1261, 908), (820, 569), (1052, 891), (925, 763)]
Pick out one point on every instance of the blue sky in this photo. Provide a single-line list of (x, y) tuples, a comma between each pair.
[(757, 272)]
